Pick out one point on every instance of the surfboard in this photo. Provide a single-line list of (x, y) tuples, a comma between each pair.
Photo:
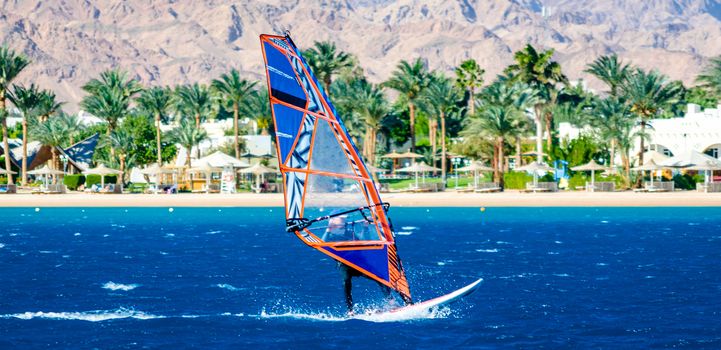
[(424, 307)]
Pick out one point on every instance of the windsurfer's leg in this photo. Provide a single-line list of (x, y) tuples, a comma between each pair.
[(348, 287), (406, 299), (386, 291)]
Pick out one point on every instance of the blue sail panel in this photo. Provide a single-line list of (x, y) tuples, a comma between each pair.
[(287, 123), (283, 82), (374, 261)]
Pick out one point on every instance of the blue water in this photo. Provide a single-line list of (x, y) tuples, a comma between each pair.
[(232, 278)]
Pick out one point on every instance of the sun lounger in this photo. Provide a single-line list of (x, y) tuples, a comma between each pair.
[(8, 189)]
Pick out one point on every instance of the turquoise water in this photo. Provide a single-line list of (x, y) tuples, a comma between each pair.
[(232, 278)]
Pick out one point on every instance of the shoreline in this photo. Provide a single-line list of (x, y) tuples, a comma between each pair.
[(439, 199)]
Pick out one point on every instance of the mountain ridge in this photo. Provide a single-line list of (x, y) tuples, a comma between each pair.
[(174, 42)]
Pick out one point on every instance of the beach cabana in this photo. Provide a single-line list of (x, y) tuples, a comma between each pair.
[(535, 168), (206, 169), (417, 168), (406, 155), (259, 170), (222, 160), (690, 158), (102, 170), (46, 171), (656, 156), (591, 166), (7, 188), (650, 165), (475, 167), (158, 172)]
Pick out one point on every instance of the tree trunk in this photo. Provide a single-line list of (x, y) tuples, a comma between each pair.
[(472, 102), (6, 145), (187, 156), (539, 134), (235, 128), (197, 120), (432, 131), (412, 112), (500, 162), (157, 139), (518, 152), (108, 131), (639, 181), (443, 148), (549, 124), (24, 178), (495, 161), (122, 169), (613, 156), (54, 160)]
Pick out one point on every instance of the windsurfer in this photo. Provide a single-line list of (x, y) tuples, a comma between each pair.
[(348, 273)]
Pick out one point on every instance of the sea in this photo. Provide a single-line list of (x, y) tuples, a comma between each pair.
[(232, 278)]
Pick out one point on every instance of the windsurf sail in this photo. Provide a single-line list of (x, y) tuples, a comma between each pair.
[(331, 202)]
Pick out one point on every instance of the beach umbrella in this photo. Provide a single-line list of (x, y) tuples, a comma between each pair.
[(259, 170), (535, 167), (475, 167), (690, 158), (157, 171), (395, 156), (706, 167), (591, 166), (649, 166), (418, 168), (46, 171), (656, 156), (374, 169), (222, 160), (205, 168), (7, 172), (102, 170)]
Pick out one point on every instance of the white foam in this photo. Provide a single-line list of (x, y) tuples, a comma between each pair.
[(2, 245), (404, 233), (303, 316), (91, 316), (487, 250), (119, 286), (228, 287), (409, 228)]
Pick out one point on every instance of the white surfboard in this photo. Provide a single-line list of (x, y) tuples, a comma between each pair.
[(422, 308)]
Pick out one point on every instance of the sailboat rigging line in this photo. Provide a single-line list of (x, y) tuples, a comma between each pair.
[(297, 224)]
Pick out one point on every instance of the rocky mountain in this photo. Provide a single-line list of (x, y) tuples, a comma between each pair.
[(177, 41)]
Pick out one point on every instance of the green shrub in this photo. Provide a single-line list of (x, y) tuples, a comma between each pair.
[(93, 179), (684, 182), (514, 180), (578, 179), (3, 180), (699, 178), (72, 182)]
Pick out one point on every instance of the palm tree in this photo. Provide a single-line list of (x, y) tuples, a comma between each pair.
[(647, 93), (611, 116), (73, 124), (193, 100), (11, 64), (325, 60), (188, 136), (538, 70), (235, 91), (123, 143), (410, 79), (372, 107), (469, 76), (109, 104), (611, 71), (710, 78), (116, 80), (24, 99), (53, 133), (258, 109), (47, 105), (440, 99), (500, 124), (156, 101)]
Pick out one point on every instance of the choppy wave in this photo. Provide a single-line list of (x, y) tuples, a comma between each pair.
[(367, 315), (229, 287), (404, 233), (409, 228), (119, 286), (2, 245), (90, 316), (487, 250)]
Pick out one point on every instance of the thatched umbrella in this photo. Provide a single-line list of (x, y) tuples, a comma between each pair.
[(102, 170), (7, 172), (46, 171), (406, 155), (416, 168), (591, 166), (259, 170), (649, 166), (535, 167), (475, 167)]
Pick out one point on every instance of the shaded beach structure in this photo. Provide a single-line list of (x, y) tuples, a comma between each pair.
[(535, 186), (48, 188), (697, 161), (421, 168), (592, 166), (103, 171), (651, 166), (7, 188), (259, 170), (396, 156), (477, 167), (205, 168)]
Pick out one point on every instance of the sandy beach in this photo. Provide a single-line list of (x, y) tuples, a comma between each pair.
[(442, 199)]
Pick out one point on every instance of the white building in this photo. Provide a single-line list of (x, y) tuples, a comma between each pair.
[(699, 130)]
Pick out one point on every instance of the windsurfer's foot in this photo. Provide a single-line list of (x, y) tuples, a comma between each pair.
[(351, 313)]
